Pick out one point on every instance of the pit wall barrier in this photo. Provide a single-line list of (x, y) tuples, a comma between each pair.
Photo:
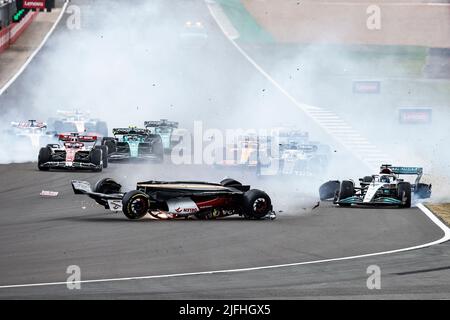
[(11, 33)]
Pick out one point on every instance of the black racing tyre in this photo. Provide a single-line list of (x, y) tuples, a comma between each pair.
[(135, 204), (328, 190), (104, 150), (45, 155), (107, 186), (367, 179), (105, 156), (110, 143), (256, 204), (404, 194), (423, 191), (96, 159), (230, 183), (346, 190)]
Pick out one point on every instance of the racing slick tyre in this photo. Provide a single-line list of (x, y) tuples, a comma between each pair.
[(367, 179), (104, 150), (230, 183), (45, 155), (96, 159), (423, 191), (107, 186), (328, 190), (404, 194), (256, 204), (346, 190), (135, 204), (110, 144)]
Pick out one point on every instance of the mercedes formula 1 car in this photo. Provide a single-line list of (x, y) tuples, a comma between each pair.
[(134, 143), (386, 188), (75, 152), (171, 200)]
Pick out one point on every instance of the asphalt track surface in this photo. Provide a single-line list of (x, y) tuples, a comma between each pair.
[(41, 237)]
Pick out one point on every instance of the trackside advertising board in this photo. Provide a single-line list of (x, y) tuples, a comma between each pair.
[(34, 4), (415, 115), (367, 87)]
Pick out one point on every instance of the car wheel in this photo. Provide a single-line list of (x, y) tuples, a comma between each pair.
[(423, 191), (135, 204), (346, 190), (404, 194), (45, 155), (96, 159), (257, 204), (328, 190)]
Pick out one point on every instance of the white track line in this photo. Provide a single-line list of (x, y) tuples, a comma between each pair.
[(31, 57), (430, 215), (314, 112)]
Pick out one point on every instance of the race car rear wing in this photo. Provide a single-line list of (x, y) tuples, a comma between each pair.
[(418, 171), (161, 123), (67, 137), (125, 131)]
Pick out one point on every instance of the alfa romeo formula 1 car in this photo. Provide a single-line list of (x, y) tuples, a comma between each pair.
[(171, 200), (73, 152), (134, 143), (386, 188)]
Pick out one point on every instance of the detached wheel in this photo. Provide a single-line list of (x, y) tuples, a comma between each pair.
[(328, 190), (135, 204), (404, 194), (45, 155), (423, 191), (257, 204), (346, 190)]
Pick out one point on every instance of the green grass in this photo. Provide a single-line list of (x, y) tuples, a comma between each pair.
[(243, 21)]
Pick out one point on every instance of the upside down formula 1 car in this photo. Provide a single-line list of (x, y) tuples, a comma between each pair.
[(386, 188), (171, 200), (75, 152)]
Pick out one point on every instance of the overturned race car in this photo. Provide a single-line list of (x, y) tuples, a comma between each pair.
[(386, 188), (185, 199)]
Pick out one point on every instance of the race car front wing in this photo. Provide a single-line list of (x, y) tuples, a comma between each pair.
[(386, 201)]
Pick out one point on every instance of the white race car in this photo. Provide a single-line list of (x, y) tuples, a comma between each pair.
[(385, 188), (77, 121), (33, 131)]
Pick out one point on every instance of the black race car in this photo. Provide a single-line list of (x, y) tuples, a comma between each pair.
[(170, 200), (134, 143)]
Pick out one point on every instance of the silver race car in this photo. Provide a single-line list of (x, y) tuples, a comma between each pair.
[(385, 188)]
